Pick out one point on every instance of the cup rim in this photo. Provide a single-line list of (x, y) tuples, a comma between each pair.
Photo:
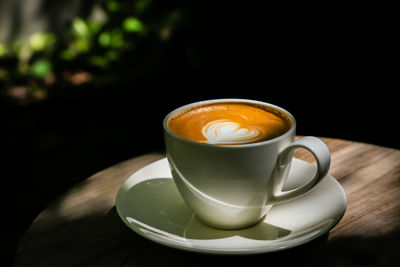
[(237, 100)]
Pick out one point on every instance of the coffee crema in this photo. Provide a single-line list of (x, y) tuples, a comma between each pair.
[(229, 123)]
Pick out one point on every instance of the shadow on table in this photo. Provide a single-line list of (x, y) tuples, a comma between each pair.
[(104, 240)]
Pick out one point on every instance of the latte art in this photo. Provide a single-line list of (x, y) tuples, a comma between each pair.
[(229, 124), (228, 132)]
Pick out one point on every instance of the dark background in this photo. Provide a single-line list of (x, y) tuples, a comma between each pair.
[(329, 66)]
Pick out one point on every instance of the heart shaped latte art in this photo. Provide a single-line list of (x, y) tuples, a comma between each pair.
[(228, 132)]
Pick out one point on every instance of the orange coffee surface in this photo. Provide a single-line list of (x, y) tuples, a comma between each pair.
[(228, 123)]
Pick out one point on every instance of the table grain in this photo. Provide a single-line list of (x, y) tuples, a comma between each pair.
[(82, 228)]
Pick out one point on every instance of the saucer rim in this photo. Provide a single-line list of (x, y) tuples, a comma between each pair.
[(228, 251)]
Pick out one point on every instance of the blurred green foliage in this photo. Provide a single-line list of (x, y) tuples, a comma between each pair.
[(132, 24), (94, 45), (40, 68)]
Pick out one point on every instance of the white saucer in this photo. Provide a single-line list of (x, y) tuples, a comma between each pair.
[(149, 203)]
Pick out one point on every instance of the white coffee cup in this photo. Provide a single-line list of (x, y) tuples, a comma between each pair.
[(234, 186)]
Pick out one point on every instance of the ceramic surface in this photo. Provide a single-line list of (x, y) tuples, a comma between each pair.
[(234, 186), (149, 203)]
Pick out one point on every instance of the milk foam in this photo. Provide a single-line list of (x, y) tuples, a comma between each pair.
[(228, 132), (228, 124)]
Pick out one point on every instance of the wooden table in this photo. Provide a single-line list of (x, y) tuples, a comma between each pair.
[(82, 227)]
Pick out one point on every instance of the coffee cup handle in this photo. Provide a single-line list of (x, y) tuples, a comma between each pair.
[(322, 155)]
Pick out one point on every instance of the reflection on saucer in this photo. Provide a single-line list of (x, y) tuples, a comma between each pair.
[(261, 231), (168, 214), (150, 204)]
